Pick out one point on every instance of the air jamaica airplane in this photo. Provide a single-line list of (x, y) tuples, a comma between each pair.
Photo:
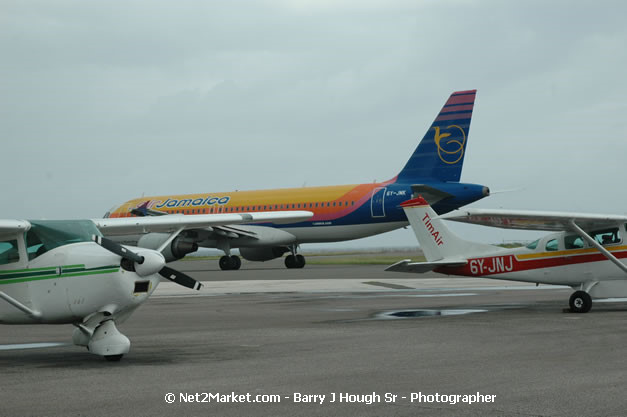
[(341, 212)]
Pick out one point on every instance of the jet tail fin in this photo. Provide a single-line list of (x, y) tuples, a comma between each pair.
[(143, 210), (440, 153)]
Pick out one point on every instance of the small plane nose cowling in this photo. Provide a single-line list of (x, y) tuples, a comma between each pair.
[(153, 262)]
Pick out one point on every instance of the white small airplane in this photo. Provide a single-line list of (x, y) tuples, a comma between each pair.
[(64, 271), (584, 254)]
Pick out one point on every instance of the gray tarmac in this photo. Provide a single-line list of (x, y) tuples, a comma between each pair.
[(326, 330)]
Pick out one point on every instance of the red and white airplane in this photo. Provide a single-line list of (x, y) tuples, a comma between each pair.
[(585, 252)]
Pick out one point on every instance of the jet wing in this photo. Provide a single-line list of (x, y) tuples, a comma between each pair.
[(173, 222), (407, 265), (13, 226), (235, 232), (534, 220)]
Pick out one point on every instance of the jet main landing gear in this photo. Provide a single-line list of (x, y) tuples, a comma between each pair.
[(295, 261), (228, 263)]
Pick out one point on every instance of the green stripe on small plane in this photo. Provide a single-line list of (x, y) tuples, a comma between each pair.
[(40, 269), (52, 274)]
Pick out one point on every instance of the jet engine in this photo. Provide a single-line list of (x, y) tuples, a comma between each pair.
[(177, 249)]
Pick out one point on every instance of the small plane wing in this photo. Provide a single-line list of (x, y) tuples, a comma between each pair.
[(534, 220), (13, 226), (407, 265), (173, 222)]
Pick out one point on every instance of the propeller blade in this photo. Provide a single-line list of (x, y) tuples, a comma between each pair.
[(118, 249), (180, 278)]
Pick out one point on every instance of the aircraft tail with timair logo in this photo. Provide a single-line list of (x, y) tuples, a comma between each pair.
[(440, 246)]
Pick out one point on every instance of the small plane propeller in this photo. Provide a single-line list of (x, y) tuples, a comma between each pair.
[(138, 263), (180, 278), (118, 249)]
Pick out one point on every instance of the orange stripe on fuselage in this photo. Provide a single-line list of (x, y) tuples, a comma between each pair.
[(568, 252), (341, 199)]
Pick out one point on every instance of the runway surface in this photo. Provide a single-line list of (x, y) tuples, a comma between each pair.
[(331, 330)]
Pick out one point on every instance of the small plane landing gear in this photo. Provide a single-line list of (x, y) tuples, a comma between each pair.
[(228, 263), (107, 341), (580, 302), (295, 261)]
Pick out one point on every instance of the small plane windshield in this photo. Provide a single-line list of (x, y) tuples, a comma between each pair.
[(45, 235)]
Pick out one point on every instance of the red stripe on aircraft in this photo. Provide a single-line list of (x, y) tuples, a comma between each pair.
[(460, 99), (415, 202), (493, 265), (466, 92), (456, 116), (366, 193)]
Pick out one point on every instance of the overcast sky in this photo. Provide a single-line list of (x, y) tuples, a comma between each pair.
[(102, 102)]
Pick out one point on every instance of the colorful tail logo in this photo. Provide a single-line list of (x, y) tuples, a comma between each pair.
[(454, 151), (440, 156)]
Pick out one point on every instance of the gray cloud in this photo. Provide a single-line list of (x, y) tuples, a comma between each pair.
[(104, 101)]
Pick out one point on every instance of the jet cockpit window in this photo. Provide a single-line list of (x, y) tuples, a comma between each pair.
[(606, 236), (45, 235), (573, 242), (9, 252)]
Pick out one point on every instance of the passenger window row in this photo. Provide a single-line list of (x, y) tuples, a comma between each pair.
[(267, 207)]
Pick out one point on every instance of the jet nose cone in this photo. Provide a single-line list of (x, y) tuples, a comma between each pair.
[(153, 262)]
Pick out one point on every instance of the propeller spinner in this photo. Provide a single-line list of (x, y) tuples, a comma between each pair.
[(146, 262)]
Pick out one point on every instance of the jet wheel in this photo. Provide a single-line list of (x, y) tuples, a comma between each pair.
[(236, 262), (580, 302), (226, 263), (300, 261), (294, 261)]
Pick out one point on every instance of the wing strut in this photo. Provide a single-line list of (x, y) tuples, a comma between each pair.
[(597, 245), (170, 239), (33, 313)]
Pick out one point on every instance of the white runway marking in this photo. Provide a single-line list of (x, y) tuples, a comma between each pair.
[(212, 288), (611, 300), (19, 346)]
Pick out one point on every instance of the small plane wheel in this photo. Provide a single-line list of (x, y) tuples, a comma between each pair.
[(236, 262), (290, 261), (300, 261), (113, 358), (225, 263), (580, 302)]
